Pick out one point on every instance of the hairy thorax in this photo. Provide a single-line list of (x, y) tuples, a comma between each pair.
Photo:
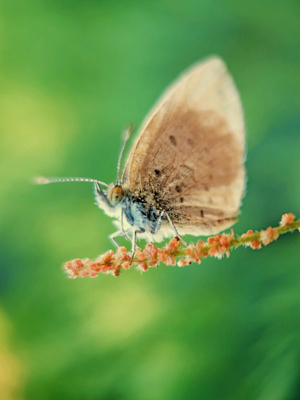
[(143, 212)]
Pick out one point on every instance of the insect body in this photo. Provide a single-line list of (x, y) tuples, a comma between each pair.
[(134, 215)]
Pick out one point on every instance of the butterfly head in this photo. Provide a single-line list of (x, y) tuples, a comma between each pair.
[(110, 199), (115, 195)]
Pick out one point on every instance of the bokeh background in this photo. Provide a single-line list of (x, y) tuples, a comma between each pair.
[(73, 74)]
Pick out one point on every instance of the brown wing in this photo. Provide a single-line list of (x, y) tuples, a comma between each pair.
[(189, 154)]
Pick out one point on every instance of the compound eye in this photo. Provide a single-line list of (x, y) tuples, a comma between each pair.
[(116, 195)]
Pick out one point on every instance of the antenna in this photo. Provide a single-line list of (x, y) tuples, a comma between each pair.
[(126, 134), (40, 180)]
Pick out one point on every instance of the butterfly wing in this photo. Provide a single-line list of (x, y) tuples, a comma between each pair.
[(189, 155)]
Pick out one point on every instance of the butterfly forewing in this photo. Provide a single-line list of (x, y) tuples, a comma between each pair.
[(188, 157)]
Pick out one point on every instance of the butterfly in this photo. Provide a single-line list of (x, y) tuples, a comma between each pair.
[(185, 172)]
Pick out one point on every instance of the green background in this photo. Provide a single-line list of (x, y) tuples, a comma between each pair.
[(73, 74)]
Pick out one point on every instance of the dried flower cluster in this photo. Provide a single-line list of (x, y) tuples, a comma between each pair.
[(215, 246)]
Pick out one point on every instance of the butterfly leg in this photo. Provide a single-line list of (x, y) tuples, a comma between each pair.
[(113, 236), (174, 228), (118, 234), (133, 246), (122, 226)]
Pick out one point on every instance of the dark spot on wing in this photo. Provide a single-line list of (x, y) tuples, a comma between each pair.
[(157, 172), (173, 140), (178, 189), (194, 133), (181, 199), (202, 213)]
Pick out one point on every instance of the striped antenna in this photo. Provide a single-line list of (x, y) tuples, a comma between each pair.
[(40, 180), (127, 134)]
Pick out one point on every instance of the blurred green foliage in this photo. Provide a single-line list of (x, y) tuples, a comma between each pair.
[(73, 74)]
